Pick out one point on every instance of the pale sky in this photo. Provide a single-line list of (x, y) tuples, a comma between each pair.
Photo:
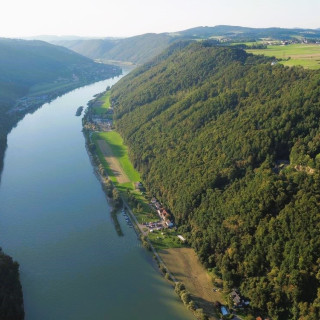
[(121, 18)]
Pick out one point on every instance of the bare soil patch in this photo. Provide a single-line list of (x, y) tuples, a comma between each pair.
[(113, 162), (185, 266)]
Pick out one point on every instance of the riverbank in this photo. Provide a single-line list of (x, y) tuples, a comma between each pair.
[(10, 287), (73, 264), (111, 156)]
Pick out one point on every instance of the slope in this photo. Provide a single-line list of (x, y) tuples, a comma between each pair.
[(142, 48), (231, 145), (137, 50)]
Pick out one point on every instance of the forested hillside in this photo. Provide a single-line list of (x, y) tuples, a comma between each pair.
[(37, 72), (231, 144), (137, 49)]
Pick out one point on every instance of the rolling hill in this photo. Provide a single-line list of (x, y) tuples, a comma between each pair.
[(140, 49), (33, 72), (230, 143), (137, 50)]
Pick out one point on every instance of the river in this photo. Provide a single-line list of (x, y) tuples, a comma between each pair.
[(55, 221)]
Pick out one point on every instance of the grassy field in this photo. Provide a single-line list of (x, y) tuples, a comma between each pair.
[(305, 55), (120, 152), (165, 239), (102, 105), (185, 266), (121, 172)]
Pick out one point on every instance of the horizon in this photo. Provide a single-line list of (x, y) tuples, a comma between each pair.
[(126, 19), (135, 35)]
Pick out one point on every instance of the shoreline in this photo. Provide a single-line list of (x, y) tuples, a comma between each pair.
[(136, 225), (138, 228)]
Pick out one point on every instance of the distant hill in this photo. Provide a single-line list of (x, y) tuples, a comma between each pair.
[(245, 33), (51, 38), (140, 49), (25, 64), (137, 50), (230, 144)]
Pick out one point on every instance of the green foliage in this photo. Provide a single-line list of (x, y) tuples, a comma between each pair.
[(165, 239), (209, 129), (120, 151), (137, 49), (116, 198), (11, 307)]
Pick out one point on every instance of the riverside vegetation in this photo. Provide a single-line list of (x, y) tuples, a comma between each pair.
[(231, 145)]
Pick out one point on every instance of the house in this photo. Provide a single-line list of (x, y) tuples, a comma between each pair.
[(138, 185), (236, 298), (157, 205)]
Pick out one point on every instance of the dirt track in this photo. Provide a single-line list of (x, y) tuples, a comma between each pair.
[(113, 162)]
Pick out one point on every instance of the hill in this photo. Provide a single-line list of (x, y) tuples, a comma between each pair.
[(33, 72), (25, 64), (230, 144), (250, 34), (137, 50), (142, 48)]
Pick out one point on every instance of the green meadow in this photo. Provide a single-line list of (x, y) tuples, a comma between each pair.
[(305, 55), (165, 239), (143, 211), (120, 151), (102, 104)]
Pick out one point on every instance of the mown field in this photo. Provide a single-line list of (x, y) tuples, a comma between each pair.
[(121, 172), (305, 55), (184, 264), (102, 104), (120, 152)]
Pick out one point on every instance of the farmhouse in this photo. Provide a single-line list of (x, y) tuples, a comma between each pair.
[(238, 301)]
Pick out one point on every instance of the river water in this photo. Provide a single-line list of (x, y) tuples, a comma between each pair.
[(55, 221)]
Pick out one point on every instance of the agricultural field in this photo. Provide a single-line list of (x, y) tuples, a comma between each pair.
[(305, 55), (184, 264), (111, 146)]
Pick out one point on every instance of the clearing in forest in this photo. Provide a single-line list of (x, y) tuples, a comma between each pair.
[(184, 264), (305, 55), (113, 162)]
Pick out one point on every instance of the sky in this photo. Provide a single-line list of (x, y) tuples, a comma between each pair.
[(122, 18)]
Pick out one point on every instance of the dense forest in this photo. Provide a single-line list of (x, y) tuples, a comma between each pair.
[(230, 143), (11, 300), (36, 72)]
